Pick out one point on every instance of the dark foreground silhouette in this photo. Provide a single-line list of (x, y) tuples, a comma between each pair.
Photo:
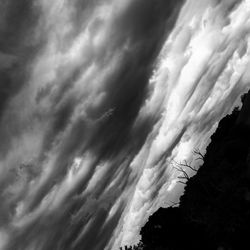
[(214, 211)]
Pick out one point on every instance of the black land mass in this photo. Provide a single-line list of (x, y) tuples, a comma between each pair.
[(214, 211)]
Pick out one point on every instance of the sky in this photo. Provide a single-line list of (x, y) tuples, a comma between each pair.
[(98, 101)]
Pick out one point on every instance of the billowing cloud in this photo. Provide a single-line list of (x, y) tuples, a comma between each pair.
[(98, 99)]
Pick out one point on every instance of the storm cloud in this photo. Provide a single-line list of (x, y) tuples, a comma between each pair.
[(97, 99)]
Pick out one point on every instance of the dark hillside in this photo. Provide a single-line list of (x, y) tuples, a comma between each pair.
[(214, 211)]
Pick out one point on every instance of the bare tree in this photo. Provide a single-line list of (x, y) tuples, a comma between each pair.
[(181, 168), (198, 154)]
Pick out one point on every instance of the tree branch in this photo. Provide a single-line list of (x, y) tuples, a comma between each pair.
[(199, 155)]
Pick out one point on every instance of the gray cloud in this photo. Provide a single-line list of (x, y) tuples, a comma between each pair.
[(97, 98)]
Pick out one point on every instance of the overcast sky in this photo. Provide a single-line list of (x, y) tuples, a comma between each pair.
[(98, 98)]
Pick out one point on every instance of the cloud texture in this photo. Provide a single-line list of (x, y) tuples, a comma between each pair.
[(97, 99)]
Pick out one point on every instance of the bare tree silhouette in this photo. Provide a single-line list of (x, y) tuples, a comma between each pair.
[(199, 155), (181, 168)]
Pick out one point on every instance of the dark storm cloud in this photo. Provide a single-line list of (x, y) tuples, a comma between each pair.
[(97, 99), (17, 48), (125, 93), (125, 90), (17, 26), (144, 26)]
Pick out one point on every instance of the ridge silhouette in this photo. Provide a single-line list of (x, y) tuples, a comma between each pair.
[(214, 211)]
